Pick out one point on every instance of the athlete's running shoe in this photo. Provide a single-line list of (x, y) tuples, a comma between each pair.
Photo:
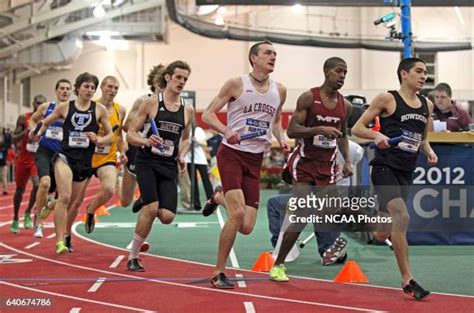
[(61, 248), (90, 223), (221, 281), (145, 247), (68, 242), (415, 290), (46, 210), (27, 222), (134, 265), (336, 253), (211, 204), (38, 231), (278, 273), (137, 205), (15, 228)]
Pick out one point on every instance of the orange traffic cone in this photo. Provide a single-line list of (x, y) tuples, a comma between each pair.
[(351, 273), (264, 262), (376, 127), (84, 218), (102, 211), (137, 193)]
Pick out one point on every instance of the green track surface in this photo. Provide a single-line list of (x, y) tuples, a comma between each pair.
[(446, 269)]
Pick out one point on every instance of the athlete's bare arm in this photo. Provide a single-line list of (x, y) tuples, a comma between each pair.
[(38, 115), (230, 91), (20, 129), (297, 129), (185, 137), (382, 105), (143, 114), (425, 147), (343, 142), (277, 127), (121, 141), (103, 119), (133, 111)]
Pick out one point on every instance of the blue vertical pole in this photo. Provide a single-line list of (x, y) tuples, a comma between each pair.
[(406, 28)]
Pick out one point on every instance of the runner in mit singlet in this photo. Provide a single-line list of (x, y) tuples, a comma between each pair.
[(319, 125), (25, 166), (254, 103), (402, 113), (72, 164), (160, 157), (49, 144)]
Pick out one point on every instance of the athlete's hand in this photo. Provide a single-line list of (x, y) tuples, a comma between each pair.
[(154, 141), (381, 141), (32, 136), (123, 158), (347, 170), (432, 158), (232, 137), (330, 132), (285, 146), (182, 166), (92, 137)]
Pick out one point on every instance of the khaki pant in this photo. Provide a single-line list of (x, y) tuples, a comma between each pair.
[(3, 177)]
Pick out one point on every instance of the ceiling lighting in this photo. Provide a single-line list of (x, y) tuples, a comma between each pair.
[(297, 8), (99, 11), (206, 9), (458, 12), (219, 20)]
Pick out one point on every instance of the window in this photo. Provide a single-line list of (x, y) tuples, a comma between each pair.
[(25, 92)]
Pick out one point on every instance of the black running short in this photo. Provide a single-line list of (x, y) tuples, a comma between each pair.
[(80, 170), (390, 184), (131, 154), (158, 183), (45, 166)]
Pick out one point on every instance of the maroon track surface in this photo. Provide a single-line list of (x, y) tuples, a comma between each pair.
[(122, 291)]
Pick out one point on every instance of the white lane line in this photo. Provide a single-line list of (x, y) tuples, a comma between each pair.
[(328, 281), (117, 261), (10, 222), (233, 257), (249, 308), (75, 310), (97, 284), (76, 298), (34, 244), (51, 236), (206, 289), (241, 283)]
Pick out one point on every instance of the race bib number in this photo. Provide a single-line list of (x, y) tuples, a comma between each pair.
[(323, 142), (78, 139), (253, 125), (32, 146), (105, 149), (55, 133), (410, 141), (165, 149)]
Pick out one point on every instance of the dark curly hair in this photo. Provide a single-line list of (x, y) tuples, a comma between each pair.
[(170, 71), (154, 72)]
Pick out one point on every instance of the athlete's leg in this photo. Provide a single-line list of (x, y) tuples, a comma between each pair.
[(127, 190), (108, 179)]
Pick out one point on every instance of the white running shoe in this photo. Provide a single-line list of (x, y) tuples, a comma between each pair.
[(38, 232)]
